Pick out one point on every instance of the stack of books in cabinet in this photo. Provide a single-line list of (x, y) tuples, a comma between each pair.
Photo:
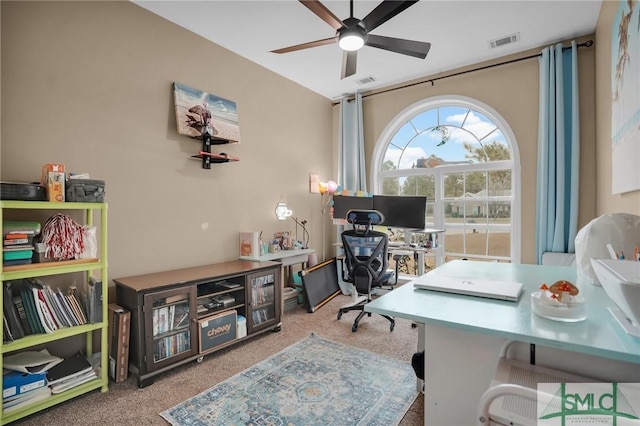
[(61, 311), (171, 329)]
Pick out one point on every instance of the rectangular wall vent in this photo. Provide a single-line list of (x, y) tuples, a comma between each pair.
[(366, 80), (504, 40)]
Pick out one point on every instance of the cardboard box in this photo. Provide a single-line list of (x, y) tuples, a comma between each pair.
[(119, 330), (217, 329), (53, 179)]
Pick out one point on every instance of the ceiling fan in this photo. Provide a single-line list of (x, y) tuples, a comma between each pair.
[(353, 33)]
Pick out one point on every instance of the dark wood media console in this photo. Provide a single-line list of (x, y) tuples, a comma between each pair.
[(173, 311)]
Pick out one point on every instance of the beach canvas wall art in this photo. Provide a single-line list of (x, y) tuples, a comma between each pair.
[(198, 111), (625, 102)]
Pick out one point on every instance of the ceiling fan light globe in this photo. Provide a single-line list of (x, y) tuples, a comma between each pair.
[(351, 42)]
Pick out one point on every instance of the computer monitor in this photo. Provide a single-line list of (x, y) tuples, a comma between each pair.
[(400, 211), (343, 203)]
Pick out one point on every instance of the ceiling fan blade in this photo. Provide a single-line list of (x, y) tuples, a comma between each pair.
[(383, 12), (417, 49), (323, 13), (348, 63), (308, 45)]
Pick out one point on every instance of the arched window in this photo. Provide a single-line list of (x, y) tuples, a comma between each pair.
[(463, 156)]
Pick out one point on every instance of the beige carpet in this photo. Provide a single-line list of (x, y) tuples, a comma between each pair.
[(126, 404)]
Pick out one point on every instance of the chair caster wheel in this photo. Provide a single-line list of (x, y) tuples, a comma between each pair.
[(339, 315), (354, 328), (392, 326), (368, 314), (414, 325)]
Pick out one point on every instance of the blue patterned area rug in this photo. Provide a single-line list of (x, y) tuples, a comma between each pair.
[(313, 382)]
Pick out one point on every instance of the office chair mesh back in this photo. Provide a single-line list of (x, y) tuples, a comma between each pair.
[(365, 258)]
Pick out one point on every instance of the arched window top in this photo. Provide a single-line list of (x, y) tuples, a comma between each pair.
[(463, 156), (445, 135)]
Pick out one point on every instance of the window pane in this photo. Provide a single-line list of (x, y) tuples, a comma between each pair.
[(475, 185), (391, 186), (500, 183), (419, 185), (453, 185), (476, 241), (500, 243), (425, 120), (454, 241)]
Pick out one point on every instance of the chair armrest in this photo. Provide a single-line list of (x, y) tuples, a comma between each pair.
[(501, 390)]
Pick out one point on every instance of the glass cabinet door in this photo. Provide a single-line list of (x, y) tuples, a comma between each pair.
[(264, 295), (169, 323)]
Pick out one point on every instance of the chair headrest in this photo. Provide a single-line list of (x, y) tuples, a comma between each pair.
[(365, 217)]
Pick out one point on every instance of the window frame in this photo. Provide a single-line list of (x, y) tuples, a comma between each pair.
[(402, 118)]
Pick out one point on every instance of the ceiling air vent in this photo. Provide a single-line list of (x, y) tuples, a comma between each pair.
[(504, 40), (366, 80)]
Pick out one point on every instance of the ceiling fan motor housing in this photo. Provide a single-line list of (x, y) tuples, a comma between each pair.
[(352, 27)]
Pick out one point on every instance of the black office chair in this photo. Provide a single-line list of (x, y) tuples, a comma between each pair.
[(365, 260)]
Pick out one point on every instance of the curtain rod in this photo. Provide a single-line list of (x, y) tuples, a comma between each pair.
[(587, 43)]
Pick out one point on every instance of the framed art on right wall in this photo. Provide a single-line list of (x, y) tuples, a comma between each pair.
[(625, 101)]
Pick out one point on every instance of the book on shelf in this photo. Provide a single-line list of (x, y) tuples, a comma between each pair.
[(65, 305), (52, 303), (73, 382), (71, 367), (17, 301), (26, 399), (11, 312), (75, 308), (7, 337), (17, 236), (43, 313), (17, 262), (94, 300), (17, 253), (10, 242), (33, 362), (20, 227), (30, 308)]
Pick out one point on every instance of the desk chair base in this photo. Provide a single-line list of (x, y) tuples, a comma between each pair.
[(360, 307)]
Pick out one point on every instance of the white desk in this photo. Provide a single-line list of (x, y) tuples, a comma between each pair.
[(462, 335), (286, 257)]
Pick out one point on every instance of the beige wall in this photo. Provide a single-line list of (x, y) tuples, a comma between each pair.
[(606, 201), (89, 85), (512, 90)]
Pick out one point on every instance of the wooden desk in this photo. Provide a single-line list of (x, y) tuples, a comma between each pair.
[(462, 335)]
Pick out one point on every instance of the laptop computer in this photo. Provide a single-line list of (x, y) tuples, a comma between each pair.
[(480, 287)]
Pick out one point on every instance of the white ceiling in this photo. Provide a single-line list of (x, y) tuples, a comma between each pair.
[(459, 32)]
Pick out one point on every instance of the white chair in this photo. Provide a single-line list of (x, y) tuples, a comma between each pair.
[(512, 397)]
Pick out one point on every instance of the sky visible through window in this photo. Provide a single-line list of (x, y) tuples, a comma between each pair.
[(441, 132)]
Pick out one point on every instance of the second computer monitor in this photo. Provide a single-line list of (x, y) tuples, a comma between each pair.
[(402, 211)]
